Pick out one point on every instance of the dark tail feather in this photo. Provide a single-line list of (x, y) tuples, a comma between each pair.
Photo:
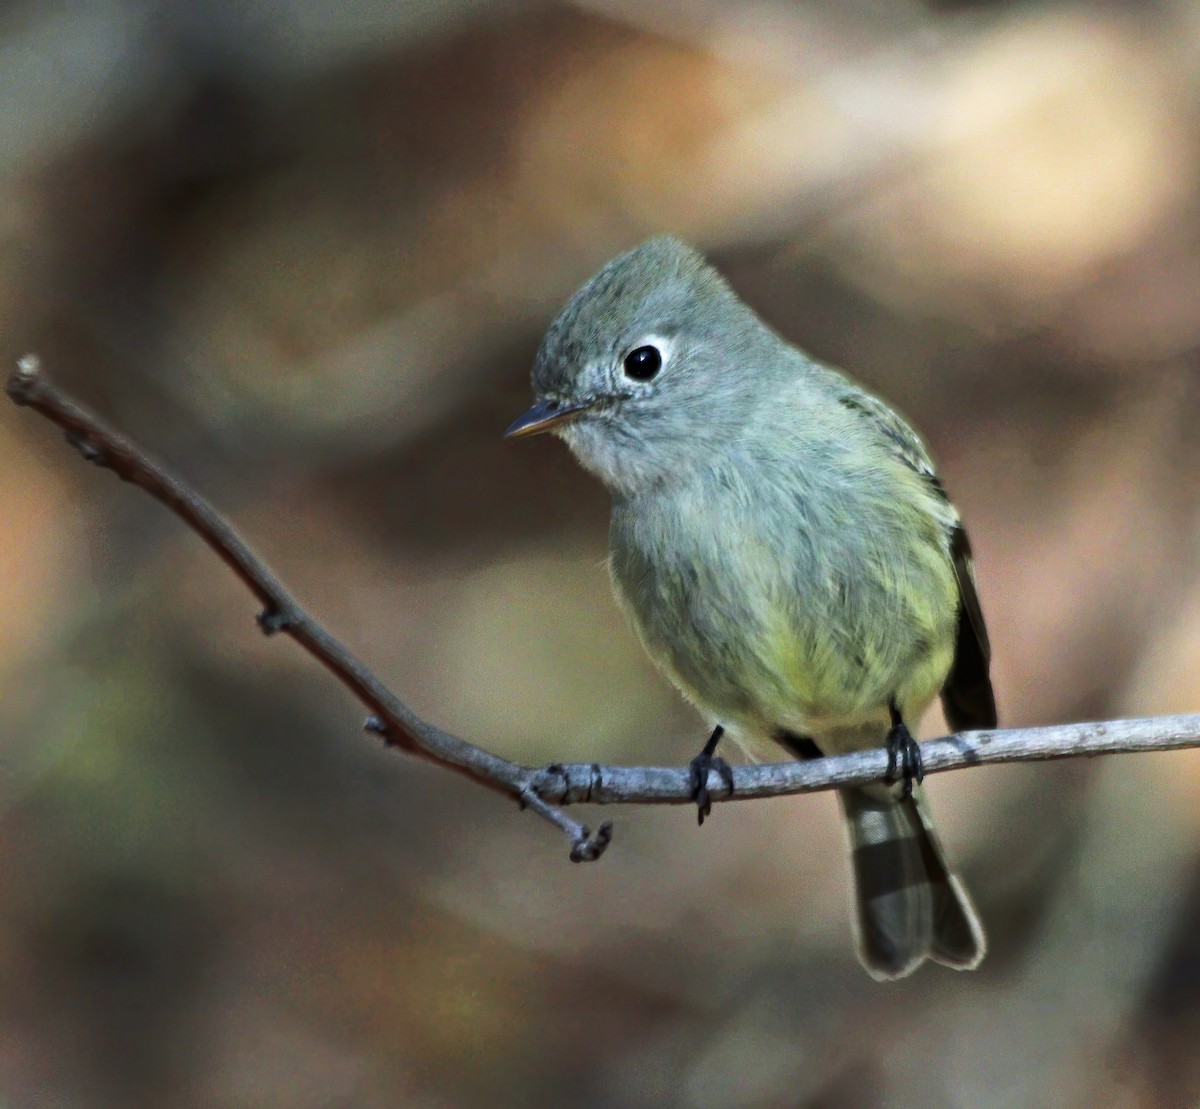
[(908, 906)]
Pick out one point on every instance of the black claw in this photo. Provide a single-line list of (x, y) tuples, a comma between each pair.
[(905, 763), (700, 767)]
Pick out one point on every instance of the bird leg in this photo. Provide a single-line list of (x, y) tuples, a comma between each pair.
[(904, 754), (700, 766)]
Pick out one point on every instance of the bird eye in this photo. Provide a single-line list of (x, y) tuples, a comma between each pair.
[(643, 363)]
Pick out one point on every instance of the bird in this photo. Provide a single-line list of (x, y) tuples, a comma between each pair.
[(788, 557)]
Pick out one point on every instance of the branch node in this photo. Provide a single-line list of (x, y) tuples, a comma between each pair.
[(272, 620), (87, 449), (588, 847), (376, 725), (577, 784)]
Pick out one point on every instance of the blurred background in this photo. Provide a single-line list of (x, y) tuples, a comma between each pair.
[(305, 251)]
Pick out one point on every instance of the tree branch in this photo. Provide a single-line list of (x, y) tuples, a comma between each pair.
[(542, 789)]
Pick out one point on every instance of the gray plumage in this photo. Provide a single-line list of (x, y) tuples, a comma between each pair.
[(785, 552)]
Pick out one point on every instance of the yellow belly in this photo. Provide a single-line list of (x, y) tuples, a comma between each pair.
[(771, 620)]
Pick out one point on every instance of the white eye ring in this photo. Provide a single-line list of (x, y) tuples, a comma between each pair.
[(646, 359)]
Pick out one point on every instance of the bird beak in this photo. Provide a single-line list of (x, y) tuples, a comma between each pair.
[(543, 416)]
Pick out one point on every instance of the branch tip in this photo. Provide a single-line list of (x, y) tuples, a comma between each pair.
[(588, 847), (585, 847), (22, 380)]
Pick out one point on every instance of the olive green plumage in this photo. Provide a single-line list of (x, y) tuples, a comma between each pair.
[(784, 551)]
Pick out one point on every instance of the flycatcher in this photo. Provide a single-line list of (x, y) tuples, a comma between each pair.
[(788, 557)]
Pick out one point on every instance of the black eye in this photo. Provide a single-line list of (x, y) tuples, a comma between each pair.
[(642, 364)]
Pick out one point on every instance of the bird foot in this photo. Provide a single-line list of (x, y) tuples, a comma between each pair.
[(904, 759), (700, 767)]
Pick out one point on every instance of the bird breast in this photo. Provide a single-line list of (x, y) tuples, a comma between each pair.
[(782, 604)]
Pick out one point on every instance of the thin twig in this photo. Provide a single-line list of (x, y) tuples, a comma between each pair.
[(391, 718), (542, 789)]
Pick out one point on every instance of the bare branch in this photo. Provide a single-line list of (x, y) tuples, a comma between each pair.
[(611, 785), (392, 719), (541, 790)]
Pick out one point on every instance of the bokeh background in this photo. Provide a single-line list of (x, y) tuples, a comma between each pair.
[(305, 251)]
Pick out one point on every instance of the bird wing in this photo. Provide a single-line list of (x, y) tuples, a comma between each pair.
[(967, 695)]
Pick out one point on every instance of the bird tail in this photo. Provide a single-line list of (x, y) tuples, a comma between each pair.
[(908, 906)]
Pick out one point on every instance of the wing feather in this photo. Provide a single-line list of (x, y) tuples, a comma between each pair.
[(967, 695)]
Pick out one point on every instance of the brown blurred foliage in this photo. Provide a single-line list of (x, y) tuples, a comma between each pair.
[(305, 251)]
